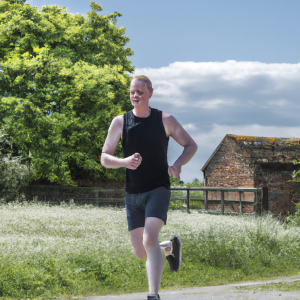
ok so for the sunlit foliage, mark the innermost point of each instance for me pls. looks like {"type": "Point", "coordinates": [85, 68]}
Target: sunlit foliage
{"type": "Point", "coordinates": [63, 78]}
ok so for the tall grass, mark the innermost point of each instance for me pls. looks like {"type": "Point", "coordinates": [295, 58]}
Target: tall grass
{"type": "Point", "coordinates": [55, 251]}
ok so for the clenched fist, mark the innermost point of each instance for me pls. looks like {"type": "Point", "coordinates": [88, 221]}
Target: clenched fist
{"type": "Point", "coordinates": [174, 171]}
{"type": "Point", "coordinates": [133, 161]}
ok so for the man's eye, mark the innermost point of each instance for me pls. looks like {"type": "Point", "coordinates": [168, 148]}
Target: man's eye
{"type": "Point", "coordinates": [140, 93]}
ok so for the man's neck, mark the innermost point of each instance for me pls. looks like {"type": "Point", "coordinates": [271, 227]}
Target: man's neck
{"type": "Point", "coordinates": [142, 113]}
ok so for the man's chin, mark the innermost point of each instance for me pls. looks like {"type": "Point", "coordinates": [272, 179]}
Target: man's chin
{"type": "Point", "coordinates": [135, 104]}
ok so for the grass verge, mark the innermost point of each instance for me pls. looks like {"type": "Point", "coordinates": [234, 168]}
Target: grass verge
{"type": "Point", "coordinates": [274, 287]}
{"type": "Point", "coordinates": [64, 251]}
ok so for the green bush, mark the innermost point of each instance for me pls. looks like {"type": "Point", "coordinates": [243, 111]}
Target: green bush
{"type": "Point", "coordinates": [293, 218]}
{"type": "Point", "coordinates": [12, 172]}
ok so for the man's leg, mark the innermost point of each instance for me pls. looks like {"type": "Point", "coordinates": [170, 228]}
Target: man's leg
{"type": "Point", "coordinates": [155, 261]}
{"type": "Point", "coordinates": [138, 247]}
{"type": "Point", "coordinates": [137, 242]}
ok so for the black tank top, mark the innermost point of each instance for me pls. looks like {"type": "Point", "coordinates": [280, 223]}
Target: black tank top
{"type": "Point", "coordinates": [146, 136]}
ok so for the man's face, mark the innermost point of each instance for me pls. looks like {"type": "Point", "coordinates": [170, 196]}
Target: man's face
{"type": "Point", "coordinates": [139, 94]}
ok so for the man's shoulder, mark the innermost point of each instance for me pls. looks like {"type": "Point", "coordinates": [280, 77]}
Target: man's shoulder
{"type": "Point", "coordinates": [118, 121]}
{"type": "Point", "coordinates": [118, 118]}
{"type": "Point", "coordinates": [167, 118]}
{"type": "Point", "coordinates": [169, 122]}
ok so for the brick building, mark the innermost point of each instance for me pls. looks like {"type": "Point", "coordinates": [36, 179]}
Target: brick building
{"type": "Point", "coordinates": [249, 161]}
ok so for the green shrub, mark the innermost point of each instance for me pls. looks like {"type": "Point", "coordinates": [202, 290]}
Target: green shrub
{"type": "Point", "coordinates": [293, 218]}
{"type": "Point", "coordinates": [12, 172]}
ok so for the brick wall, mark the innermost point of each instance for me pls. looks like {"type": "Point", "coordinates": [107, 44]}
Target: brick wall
{"type": "Point", "coordinates": [230, 167]}
{"type": "Point", "coordinates": [281, 191]}
{"type": "Point", "coordinates": [255, 162]}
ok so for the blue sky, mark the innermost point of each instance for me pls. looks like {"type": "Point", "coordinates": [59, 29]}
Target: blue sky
{"type": "Point", "coordinates": [165, 31]}
{"type": "Point", "coordinates": [218, 66]}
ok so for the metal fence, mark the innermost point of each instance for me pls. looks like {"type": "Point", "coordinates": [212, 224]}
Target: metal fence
{"type": "Point", "coordinates": [101, 196]}
{"type": "Point", "coordinates": [222, 200]}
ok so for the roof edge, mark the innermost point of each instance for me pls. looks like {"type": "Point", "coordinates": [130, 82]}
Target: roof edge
{"type": "Point", "coordinates": [292, 141]}
{"type": "Point", "coordinates": [216, 150]}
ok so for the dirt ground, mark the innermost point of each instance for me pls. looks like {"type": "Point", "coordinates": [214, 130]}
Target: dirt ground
{"type": "Point", "coordinates": [228, 292]}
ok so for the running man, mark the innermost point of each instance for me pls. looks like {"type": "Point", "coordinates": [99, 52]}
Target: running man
{"type": "Point", "coordinates": [145, 133]}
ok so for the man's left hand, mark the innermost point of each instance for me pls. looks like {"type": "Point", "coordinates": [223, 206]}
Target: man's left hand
{"type": "Point", "coordinates": [174, 171]}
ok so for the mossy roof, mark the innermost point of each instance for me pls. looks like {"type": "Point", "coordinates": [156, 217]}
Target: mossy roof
{"type": "Point", "coordinates": [254, 142]}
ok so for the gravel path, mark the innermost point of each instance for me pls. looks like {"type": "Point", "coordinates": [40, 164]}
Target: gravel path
{"type": "Point", "coordinates": [228, 292]}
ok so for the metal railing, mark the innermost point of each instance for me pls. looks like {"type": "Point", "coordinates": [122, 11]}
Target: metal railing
{"type": "Point", "coordinates": [222, 200]}
{"type": "Point", "coordinates": [97, 195]}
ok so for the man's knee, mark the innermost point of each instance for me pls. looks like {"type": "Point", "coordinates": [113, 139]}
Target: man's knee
{"type": "Point", "coordinates": [150, 241]}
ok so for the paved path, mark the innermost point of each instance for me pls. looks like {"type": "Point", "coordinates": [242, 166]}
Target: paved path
{"type": "Point", "coordinates": [228, 292]}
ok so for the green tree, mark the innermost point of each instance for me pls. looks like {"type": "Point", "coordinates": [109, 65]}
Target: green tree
{"type": "Point", "coordinates": [195, 183]}
{"type": "Point", "coordinates": [177, 182]}
{"type": "Point", "coordinates": [63, 78]}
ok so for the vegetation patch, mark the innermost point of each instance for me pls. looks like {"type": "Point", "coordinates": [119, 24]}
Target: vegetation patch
{"type": "Point", "coordinates": [273, 287]}
{"type": "Point", "coordinates": [67, 250]}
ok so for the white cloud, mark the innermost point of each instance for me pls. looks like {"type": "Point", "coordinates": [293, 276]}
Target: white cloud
{"type": "Point", "coordinates": [207, 80]}
{"type": "Point", "coordinates": [213, 137]}
{"type": "Point", "coordinates": [189, 127]}
{"type": "Point", "coordinates": [279, 102]}
{"type": "Point", "coordinates": [214, 103]}
{"type": "Point", "coordinates": [212, 99]}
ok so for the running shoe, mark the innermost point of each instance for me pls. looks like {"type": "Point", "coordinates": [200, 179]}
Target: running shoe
{"type": "Point", "coordinates": [153, 297]}
{"type": "Point", "coordinates": [175, 259]}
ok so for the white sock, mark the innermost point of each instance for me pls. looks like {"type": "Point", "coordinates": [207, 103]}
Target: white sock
{"type": "Point", "coordinates": [166, 246]}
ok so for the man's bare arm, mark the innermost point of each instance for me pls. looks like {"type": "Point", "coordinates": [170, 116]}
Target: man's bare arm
{"type": "Point", "coordinates": [177, 132]}
{"type": "Point", "coordinates": [110, 146]}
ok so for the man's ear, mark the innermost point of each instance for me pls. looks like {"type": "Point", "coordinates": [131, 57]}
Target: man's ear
{"type": "Point", "coordinates": [151, 93]}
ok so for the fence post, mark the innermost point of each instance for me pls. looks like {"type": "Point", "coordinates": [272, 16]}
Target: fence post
{"type": "Point", "coordinates": [206, 200]}
{"type": "Point", "coordinates": [97, 197]}
{"type": "Point", "coordinates": [222, 202]}
{"type": "Point", "coordinates": [240, 198]}
{"type": "Point", "coordinates": [188, 200]}
{"type": "Point", "coordinates": [265, 200]}
{"type": "Point", "coordinates": [255, 203]}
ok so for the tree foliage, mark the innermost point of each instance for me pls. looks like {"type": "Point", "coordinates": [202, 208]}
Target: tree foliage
{"type": "Point", "coordinates": [63, 78]}
{"type": "Point", "coordinates": [177, 182]}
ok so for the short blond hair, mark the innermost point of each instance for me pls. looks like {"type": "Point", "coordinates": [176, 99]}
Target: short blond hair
{"type": "Point", "coordinates": [144, 79]}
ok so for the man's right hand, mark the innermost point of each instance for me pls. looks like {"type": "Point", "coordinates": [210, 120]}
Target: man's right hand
{"type": "Point", "coordinates": [133, 161]}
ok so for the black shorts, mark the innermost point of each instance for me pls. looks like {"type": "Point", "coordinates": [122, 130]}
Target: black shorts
{"type": "Point", "coordinates": [154, 203]}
